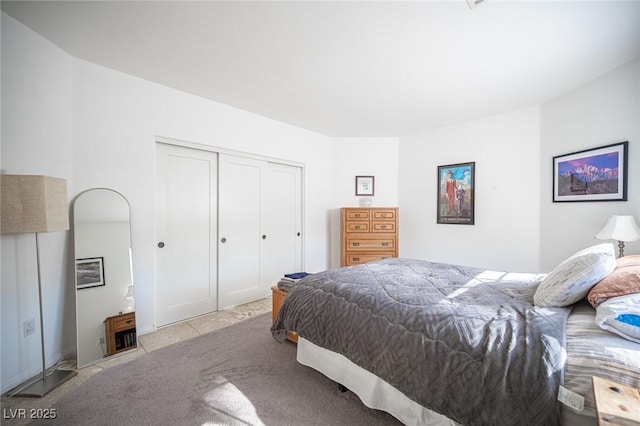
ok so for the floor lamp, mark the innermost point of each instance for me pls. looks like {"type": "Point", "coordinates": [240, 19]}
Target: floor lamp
{"type": "Point", "coordinates": [35, 204]}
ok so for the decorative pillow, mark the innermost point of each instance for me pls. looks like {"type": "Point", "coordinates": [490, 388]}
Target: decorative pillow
{"type": "Point", "coordinates": [621, 315]}
{"type": "Point", "coordinates": [625, 279]}
{"type": "Point", "coordinates": [572, 279]}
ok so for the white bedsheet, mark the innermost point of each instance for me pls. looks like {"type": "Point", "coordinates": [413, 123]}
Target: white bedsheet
{"type": "Point", "coordinates": [374, 392]}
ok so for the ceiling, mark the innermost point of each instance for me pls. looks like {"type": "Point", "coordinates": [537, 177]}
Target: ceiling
{"type": "Point", "coordinates": [351, 69]}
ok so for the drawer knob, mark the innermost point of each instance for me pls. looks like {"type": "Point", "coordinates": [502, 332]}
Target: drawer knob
{"type": "Point", "coordinates": [357, 226]}
{"type": "Point", "coordinates": [356, 244]}
{"type": "Point", "coordinates": [385, 244]}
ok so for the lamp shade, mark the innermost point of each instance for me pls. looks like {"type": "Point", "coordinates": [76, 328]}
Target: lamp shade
{"type": "Point", "coordinates": [620, 228]}
{"type": "Point", "coordinates": [33, 204]}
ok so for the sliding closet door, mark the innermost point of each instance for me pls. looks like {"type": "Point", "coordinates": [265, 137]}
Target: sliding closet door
{"type": "Point", "coordinates": [186, 252]}
{"type": "Point", "coordinates": [281, 223]}
{"type": "Point", "coordinates": [260, 227]}
{"type": "Point", "coordinates": [239, 236]}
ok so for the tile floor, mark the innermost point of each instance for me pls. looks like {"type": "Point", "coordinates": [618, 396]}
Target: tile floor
{"type": "Point", "coordinates": [146, 343]}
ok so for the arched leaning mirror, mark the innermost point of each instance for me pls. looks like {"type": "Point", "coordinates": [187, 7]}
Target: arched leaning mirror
{"type": "Point", "coordinates": [105, 314]}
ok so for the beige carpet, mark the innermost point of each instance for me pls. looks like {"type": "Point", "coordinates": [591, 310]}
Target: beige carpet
{"type": "Point", "coordinates": [235, 376]}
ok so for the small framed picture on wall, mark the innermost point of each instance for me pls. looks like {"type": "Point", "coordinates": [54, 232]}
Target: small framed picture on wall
{"type": "Point", "coordinates": [365, 186]}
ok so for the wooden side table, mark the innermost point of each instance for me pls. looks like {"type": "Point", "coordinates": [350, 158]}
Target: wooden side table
{"type": "Point", "coordinates": [278, 296]}
{"type": "Point", "coordinates": [121, 333]}
{"type": "Point", "coordinates": [616, 404]}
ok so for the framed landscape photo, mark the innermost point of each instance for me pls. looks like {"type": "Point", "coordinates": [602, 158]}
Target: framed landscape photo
{"type": "Point", "coordinates": [597, 174]}
{"type": "Point", "coordinates": [89, 272]}
{"type": "Point", "coordinates": [364, 186]}
{"type": "Point", "coordinates": [456, 193]}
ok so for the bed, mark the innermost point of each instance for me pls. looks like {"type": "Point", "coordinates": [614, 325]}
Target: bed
{"type": "Point", "coordinates": [435, 343]}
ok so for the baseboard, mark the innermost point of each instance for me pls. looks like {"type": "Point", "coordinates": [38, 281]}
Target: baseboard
{"type": "Point", "coordinates": [15, 381]}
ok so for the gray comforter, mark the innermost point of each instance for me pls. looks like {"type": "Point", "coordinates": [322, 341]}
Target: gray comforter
{"type": "Point", "coordinates": [464, 342]}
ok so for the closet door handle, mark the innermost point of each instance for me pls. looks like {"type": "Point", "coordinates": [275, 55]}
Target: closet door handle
{"type": "Point", "coordinates": [223, 240]}
{"type": "Point", "coordinates": [298, 234]}
{"type": "Point", "coordinates": [161, 244]}
{"type": "Point", "coordinates": [264, 237]}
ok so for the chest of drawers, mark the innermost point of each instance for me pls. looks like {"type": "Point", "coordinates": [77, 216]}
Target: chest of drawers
{"type": "Point", "coordinates": [368, 233]}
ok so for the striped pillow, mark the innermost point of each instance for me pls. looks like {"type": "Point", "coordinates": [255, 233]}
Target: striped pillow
{"type": "Point", "coordinates": [571, 280]}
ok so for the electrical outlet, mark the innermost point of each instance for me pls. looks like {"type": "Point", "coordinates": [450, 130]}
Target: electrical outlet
{"type": "Point", "coordinates": [28, 327]}
{"type": "Point", "coordinates": [102, 340]}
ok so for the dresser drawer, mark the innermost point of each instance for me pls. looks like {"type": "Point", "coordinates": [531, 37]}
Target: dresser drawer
{"type": "Point", "coordinates": [384, 215]}
{"type": "Point", "coordinates": [358, 215]}
{"type": "Point", "coordinates": [124, 322]}
{"type": "Point", "coordinates": [357, 227]}
{"type": "Point", "coordinates": [367, 244]}
{"type": "Point", "coordinates": [383, 226]}
{"type": "Point", "coordinates": [356, 259]}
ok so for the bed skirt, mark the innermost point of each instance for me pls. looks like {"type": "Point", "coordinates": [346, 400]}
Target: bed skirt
{"type": "Point", "coordinates": [374, 392]}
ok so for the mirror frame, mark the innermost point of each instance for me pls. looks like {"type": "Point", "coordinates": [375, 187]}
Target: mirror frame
{"type": "Point", "coordinates": [98, 283]}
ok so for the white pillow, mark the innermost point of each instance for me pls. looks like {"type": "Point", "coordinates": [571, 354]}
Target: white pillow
{"type": "Point", "coordinates": [571, 280]}
{"type": "Point", "coordinates": [621, 315]}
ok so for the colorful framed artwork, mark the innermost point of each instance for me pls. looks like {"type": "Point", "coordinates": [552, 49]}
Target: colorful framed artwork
{"type": "Point", "coordinates": [597, 174]}
{"type": "Point", "coordinates": [365, 186]}
{"type": "Point", "coordinates": [456, 193]}
{"type": "Point", "coordinates": [89, 272]}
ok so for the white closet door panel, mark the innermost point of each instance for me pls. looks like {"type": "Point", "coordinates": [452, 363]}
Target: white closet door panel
{"type": "Point", "coordinates": [187, 221]}
{"type": "Point", "coordinates": [281, 223]}
{"type": "Point", "coordinates": [239, 225]}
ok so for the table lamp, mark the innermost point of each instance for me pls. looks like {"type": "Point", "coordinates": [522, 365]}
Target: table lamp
{"type": "Point", "coordinates": [620, 228]}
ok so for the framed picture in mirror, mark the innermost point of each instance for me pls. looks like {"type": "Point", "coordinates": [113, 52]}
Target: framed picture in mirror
{"type": "Point", "coordinates": [90, 272]}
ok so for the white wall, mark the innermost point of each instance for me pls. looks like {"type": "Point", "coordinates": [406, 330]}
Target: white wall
{"type": "Point", "coordinates": [505, 235]}
{"type": "Point", "coordinates": [518, 227]}
{"type": "Point", "coordinates": [37, 138]}
{"type": "Point", "coordinates": [117, 120]}
{"type": "Point", "coordinates": [602, 112]}
{"type": "Point", "coordinates": [353, 157]}
{"type": "Point", "coordinates": [97, 128]}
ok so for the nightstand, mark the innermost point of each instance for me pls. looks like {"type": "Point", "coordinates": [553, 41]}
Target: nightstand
{"type": "Point", "coordinates": [121, 333]}
{"type": "Point", "coordinates": [278, 296]}
{"type": "Point", "coordinates": [616, 404]}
